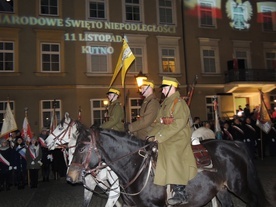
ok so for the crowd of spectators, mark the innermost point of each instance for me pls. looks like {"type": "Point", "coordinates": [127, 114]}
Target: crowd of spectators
{"type": "Point", "coordinates": [24, 162]}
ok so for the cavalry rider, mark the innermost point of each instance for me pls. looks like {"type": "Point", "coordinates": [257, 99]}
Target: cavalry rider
{"type": "Point", "coordinates": [115, 112]}
{"type": "Point", "coordinates": [148, 111]}
{"type": "Point", "coordinates": [176, 163]}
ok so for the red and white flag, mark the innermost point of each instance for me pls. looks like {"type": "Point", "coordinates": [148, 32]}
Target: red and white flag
{"type": "Point", "coordinates": [218, 131]}
{"type": "Point", "coordinates": [9, 124]}
{"type": "Point", "coordinates": [3, 160]}
{"type": "Point", "coordinates": [26, 132]}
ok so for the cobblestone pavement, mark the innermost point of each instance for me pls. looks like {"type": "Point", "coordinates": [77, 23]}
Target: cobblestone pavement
{"type": "Point", "coordinates": [58, 193]}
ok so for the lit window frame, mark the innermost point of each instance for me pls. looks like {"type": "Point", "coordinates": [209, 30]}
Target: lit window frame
{"type": "Point", "coordinates": [7, 52]}
{"type": "Point", "coordinates": [47, 113]}
{"type": "Point", "coordinates": [49, 6]}
{"type": "Point", "coordinates": [50, 53]}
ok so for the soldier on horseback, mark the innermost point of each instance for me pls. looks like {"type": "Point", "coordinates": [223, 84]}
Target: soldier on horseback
{"type": "Point", "coordinates": [176, 163]}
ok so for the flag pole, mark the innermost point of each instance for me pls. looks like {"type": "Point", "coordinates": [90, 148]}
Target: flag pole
{"type": "Point", "coordinates": [261, 96]}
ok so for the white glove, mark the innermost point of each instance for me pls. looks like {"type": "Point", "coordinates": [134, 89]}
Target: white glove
{"type": "Point", "coordinates": [32, 163]}
{"type": "Point", "coordinates": [40, 163]}
{"type": "Point", "coordinates": [50, 157]}
{"type": "Point", "coordinates": [10, 167]}
{"type": "Point", "coordinates": [15, 168]}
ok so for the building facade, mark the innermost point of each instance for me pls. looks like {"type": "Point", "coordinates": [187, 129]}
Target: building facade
{"type": "Point", "coordinates": [60, 55]}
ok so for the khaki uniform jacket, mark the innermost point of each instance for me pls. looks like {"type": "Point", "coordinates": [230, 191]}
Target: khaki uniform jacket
{"type": "Point", "coordinates": [176, 162]}
{"type": "Point", "coordinates": [148, 113]}
{"type": "Point", "coordinates": [116, 117]}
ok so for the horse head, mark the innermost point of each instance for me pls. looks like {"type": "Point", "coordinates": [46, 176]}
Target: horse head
{"type": "Point", "coordinates": [64, 135]}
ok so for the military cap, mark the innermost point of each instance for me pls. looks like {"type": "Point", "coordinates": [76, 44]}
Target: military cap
{"type": "Point", "coordinates": [169, 81]}
{"type": "Point", "coordinates": [148, 83]}
{"type": "Point", "coordinates": [113, 90]}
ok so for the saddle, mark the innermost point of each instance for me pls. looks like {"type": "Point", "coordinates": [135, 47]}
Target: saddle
{"type": "Point", "coordinates": [202, 156]}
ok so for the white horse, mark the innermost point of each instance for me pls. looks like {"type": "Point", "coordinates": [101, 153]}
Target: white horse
{"type": "Point", "coordinates": [65, 136]}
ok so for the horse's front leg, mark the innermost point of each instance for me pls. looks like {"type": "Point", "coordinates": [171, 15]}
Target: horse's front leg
{"type": "Point", "coordinates": [91, 184]}
{"type": "Point", "coordinates": [114, 192]}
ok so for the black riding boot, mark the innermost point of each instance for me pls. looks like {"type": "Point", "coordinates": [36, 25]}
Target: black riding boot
{"type": "Point", "coordinates": [180, 196]}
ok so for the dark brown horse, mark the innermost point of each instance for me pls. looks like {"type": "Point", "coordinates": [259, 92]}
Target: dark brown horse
{"type": "Point", "coordinates": [129, 158]}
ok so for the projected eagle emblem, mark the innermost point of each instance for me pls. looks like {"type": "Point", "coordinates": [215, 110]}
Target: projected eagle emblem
{"type": "Point", "coordinates": [240, 13]}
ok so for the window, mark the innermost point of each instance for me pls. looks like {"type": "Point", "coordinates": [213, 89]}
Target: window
{"type": "Point", "coordinates": [48, 107]}
{"type": "Point", "coordinates": [97, 9]}
{"type": "Point", "coordinates": [166, 12]}
{"type": "Point", "coordinates": [269, 18]}
{"type": "Point", "coordinates": [209, 56]}
{"type": "Point", "coordinates": [207, 13]}
{"type": "Point", "coordinates": [7, 6]}
{"type": "Point", "coordinates": [135, 105]}
{"type": "Point", "coordinates": [98, 109]}
{"type": "Point", "coordinates": [137, 65]}
{"type": "Point", "coordinates": [169, 55]}
{"type": "Point", "coordinates": [49, 7]}
{"type": "Point", "coordinates": [243, 54]}
{"type": "Point", "coordinates": [168, 60]}
{"type": "Point", "coordinates": [210, 112]}
{"type": "Point", "coordinates": [270, 59]}
{"type": "Point", "coordinates": [99, 60]}
{"type": "Point", "coordinates": [133, 10]}
{"type": "Point", "coordinates": [6, 56]}
{"type": "Point", "coordinates": [50, 57]}
{"type": "Point", "coordinates": [3, 106]}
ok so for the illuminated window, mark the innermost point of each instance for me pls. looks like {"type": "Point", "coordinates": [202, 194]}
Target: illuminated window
{"type": "Point", "coordinates": [97, 9]}
{"type": "Point", "coordinates": [6, 6]}
{"type": "Point", "coordinates": [49, 7]}
{"type": "Point", "coordinates": [98, 110]}
{"type": "Point", "coordinates": [209, 56]}
{"type": "Point", "coordinates": [269, 19]}
{"type": "Point", "coordinates": [7, 56]}
{"type": "Point", "coordinates": [50, 57]}
{"type": "Point", "coordinates": [207, 14]}
{"type": "Point", "coordinates": [270, 59]}
{"type": "Point", "coordinates": [133, 10]}
{"type": "Point", "coordinates": [3, 106]}
{"type": "Point", "coordinates": [166, 12]}
{"type": "Point", "coordinates": [168, 60]}
{"type": "Point", "coordinates": [47, 108]}
{"type": "Point", "coordinates": [135, 106]}
{"type": "Point", "coordinates": [169, 54]}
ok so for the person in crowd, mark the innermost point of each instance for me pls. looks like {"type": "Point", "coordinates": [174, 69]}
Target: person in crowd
{"type": "Point", "coordinates": [115, 112]}
{"type": "Point", "coordinates": [240, 111]}
{"type": "Point", "coordinates": [59, 163]}
{"type": "Point", "coordinates": [237, 130]}
{"type": "Point", "coordinates": [176, 163]}
{"type": "Point", "coordinates": [46, 154]}
{"type": "Point", "coordinates": [6, 164]}
{"type": "Point", "coordinates": [196, 123]}
{"type": "Point", "coordinates": [20, 163]}
{"type": "Point", "coordinates": [33, 157]}
{"type": "Point", "coordinates": [148, 112]}
{"type": "Point", "coordinates": [226, 131]}
{"type": "Point", "coordinates": [250, 136]}
{"type": "Point", "coordinates": [246, 111]}
{"type": "Point", "coordinates": [271, 140]}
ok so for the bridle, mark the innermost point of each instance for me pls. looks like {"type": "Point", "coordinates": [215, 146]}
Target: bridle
{"type": "Point", "coordinates": [94, 171]}
{"type": "Point", "coordinates": [59, 137]}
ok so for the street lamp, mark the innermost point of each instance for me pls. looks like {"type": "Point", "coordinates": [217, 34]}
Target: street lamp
{"type": "Point", "coordinates": [140, 77]}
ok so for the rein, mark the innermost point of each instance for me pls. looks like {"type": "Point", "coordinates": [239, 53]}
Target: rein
{"type": "Point", "coordinates": [94, 171]}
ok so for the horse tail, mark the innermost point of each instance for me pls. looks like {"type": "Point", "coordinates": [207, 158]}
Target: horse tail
{"type": "Point", "coordinates": [253, 181]}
